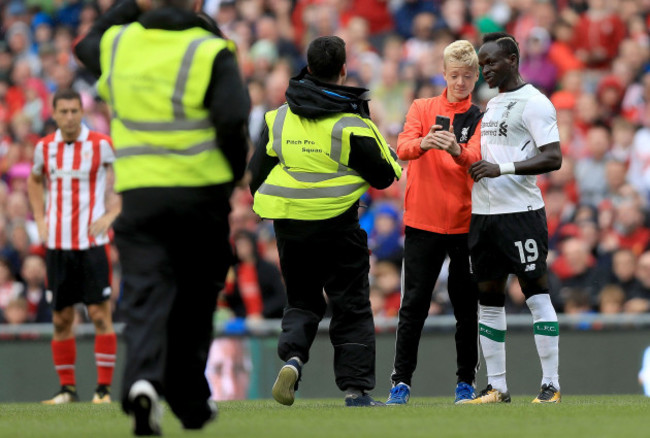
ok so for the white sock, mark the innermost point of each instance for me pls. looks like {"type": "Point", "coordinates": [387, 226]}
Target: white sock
{"type": "Point", "coordinates": [492, 328]}
{"type": "Point", "coordinates": [547, 337]}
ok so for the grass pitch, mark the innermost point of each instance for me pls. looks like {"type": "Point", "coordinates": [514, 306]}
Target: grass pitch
{"type": "Point", "coordinates": [620, 416]}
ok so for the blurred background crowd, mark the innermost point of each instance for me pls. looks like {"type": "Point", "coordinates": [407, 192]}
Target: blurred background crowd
{"type": "Point", "coordinates": [591, 57]}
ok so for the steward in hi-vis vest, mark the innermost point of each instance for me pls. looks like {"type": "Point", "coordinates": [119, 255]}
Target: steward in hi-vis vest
{"type": "Point", "coordinates": [317, 155]}
{"type": "Point", "coordinates": [161, 142]}
{"type": "Point", "coordinates": [313, 178]}
{"type": "Point", "coordinates": [179, 114]}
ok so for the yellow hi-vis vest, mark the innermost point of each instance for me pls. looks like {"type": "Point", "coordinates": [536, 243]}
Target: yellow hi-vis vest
{"type": "Point", "coordinates": [312, 180]}
{"type": "Point", "coordinates": [155, 81]}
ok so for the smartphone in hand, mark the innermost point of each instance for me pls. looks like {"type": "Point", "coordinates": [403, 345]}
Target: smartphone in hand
{"type": "Point", "coordinates": [443, 121]}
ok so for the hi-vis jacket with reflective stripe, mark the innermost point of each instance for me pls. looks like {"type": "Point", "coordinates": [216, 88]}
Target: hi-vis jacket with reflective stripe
{"type": "Point", "coordinates": [312, 180]}
{"type": "Point", "coordinates": [155, 81]}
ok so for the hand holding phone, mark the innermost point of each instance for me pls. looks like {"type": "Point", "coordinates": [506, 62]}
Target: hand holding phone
{"type": "Point", "coordinates": [443, 121]}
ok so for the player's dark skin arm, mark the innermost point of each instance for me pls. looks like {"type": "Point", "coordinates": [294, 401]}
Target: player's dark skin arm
{"type": "Point", "coordinates": [548, 160]}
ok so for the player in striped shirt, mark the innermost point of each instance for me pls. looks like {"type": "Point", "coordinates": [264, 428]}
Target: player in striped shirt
{"type": "Point", "coordinates": [72, 165]}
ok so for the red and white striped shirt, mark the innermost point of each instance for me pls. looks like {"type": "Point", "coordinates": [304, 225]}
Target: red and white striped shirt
{"type": "Point", "coordinates": [76, 183]}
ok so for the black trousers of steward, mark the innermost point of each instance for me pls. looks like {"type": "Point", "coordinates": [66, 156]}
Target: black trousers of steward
{"type": "Point", "coordinates": [337, 263]}
{"type": "Point", "coordinates": [174, 253]}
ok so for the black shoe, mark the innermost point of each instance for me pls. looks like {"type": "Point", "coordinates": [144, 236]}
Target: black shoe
{"type": "Point", "coordinates": [359, 401]}
{"type": "Point", "coordinates": [145, 409]}
{"type": "Point", "coordinates": [211, 412]}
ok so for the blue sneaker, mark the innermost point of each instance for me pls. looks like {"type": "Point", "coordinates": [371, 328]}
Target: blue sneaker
{"type": "Point", "coordinates": [399, 394]}
{"type": "Point", "coordinates": [464, 393]}
{"type": "Point", "coordinates": [361, 401]}
{"type": "Point", "coordinates": [286, 383]}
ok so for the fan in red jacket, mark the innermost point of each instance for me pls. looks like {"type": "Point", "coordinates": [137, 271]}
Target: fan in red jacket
{"type": "Point", "coordinates": [438, 210]}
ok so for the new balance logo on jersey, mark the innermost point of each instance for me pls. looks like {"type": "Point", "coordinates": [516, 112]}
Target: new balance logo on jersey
{"type": "Point", "coordinates": [530, 267]}
{"type": "Point", "coordinates": [503, 129]}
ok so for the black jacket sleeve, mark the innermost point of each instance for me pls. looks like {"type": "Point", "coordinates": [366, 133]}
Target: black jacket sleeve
{"type": "Point", "coordinates": [87, 50]}
{"type": "Point", "coordinates": [366, 158]}
{"type": "Point", "coordinates": [229, 104]}
{"type": "Point", "coordinates": [261, 163]}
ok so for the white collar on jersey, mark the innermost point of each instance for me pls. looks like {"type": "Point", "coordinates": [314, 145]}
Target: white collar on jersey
{"type": "Point", "coordinates": [83, 135]}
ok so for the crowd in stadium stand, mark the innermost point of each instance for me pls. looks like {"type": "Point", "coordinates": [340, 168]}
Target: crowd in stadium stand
{"type": "Point", "coordinates": [591, 57]}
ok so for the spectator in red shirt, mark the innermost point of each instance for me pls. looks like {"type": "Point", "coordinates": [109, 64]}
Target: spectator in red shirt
{"type": "Point", "coordinates": [562, 53]}
{"type": "Point", "coordinates": [576, 268]}
{"type": "Point", "coordinates": [628, 228]}
{"type": "Point", "coordinates": [33, 274]}
{"type": "Point", "coordinates": [254, 290]}
{"type": "Point", "coordinates": [374, 11]}
{"type": "Point", "coordinates": [597, 35]}
{"type": "Point", "coordinates": [610, 95]}
{"type": "Point", "coordinates": [386, 288]}
{"type": "Point", "coordinates": [557, 206]}
{"type": "Point", "coordinates": [9, 288]}
{"type": "Point", "coordinates": [21, 79]}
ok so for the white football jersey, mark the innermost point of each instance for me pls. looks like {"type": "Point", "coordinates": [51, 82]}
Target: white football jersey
{"type": "Point", "coordinates": [516, 123]}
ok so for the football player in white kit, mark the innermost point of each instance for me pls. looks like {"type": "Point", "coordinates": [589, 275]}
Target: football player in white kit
{"type": "Point", "coordinates": [508, 231]}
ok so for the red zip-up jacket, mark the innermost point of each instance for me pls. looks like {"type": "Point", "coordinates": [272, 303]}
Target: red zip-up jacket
{"type": "Point", "coordinates": [438, 188]}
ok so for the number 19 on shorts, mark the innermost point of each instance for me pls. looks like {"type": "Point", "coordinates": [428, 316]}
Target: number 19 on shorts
{"type": "Point", "coordinates": [528, 253]}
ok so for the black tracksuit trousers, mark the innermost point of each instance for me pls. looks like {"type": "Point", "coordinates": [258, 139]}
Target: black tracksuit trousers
{"type": "Point", "coordinates": [424, 254]}
{"type": "Point", "coordinates": [174, 253]}
{"type": "Point", "coordinates": [337, 263]}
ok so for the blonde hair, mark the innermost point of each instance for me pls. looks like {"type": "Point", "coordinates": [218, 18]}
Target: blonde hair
{"type": "Point", "coordinates": [461, 52]}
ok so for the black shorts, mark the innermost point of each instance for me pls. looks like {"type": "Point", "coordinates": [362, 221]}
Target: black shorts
{"type": "Point", "coordinates": [514, 243]}
{"type": "Point", "coordinates": [78, 276]}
